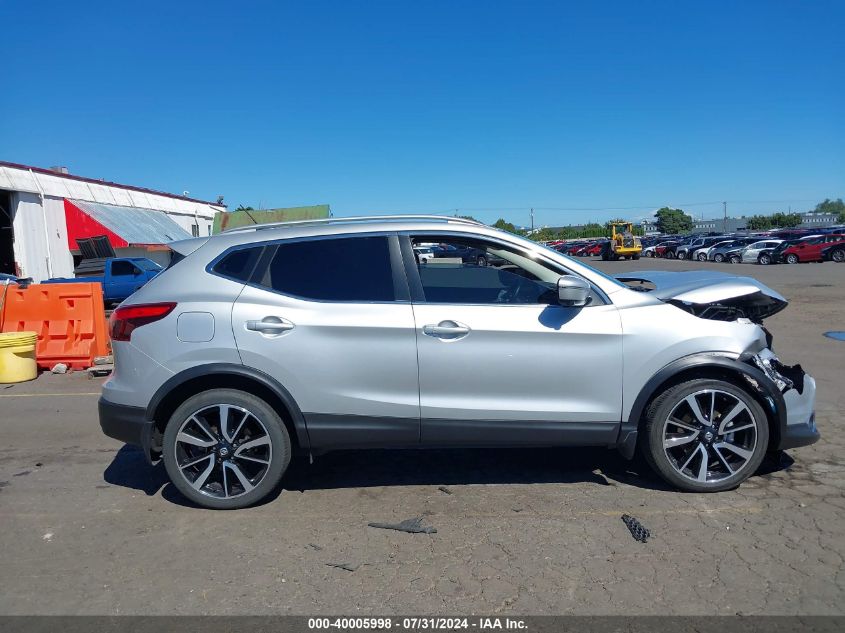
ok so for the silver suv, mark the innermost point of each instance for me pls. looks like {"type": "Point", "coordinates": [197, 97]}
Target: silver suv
{"type": "Point", "coordinates": [337, 334]}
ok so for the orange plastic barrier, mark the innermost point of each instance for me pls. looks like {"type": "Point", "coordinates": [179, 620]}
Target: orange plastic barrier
{"type": "Point", "coordinates": [70, 320]}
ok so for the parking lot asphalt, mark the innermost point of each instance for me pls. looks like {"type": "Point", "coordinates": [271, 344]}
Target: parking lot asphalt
{"type": "Point", "coordinates": [87, 527]}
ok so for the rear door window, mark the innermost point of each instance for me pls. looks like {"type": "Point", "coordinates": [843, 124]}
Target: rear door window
{"type": "Point", "coordinates": [355, 269]}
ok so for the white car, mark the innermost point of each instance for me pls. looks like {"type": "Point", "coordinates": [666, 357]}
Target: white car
{"type": "Point", "coordinates": [703, 254]}
{"type": "Point", "coordinates": [424, 253]}
{"type": "Point", "coordinates": [222, 370]}
{"type": "Point", "coordinates": [751, 252]}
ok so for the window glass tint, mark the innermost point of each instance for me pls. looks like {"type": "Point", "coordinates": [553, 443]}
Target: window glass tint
{"type": "Point", "coordinates": [478, 272]}
{"type": "Point", "coordinates": [238, 264]}
{"type": "Point", "coordinates": [120, 268]}
{"type": "Point", "coordinates": [338, 269]}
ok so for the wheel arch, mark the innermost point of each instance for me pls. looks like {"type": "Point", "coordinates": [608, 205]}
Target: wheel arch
{"type": "Point", "coordinates": [201, 378]}
{"type": "Point", "coordinates": [705, 366]}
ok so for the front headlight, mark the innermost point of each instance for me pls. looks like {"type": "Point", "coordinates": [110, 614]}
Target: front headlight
{"type": "Point", "coordinates": [768, 363]}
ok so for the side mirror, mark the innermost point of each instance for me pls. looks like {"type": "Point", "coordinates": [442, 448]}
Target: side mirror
{"type": "Point", "coordinates": [572, 291]}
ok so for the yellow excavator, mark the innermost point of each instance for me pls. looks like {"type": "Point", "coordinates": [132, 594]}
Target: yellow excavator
{"type": "Point", "coordinates": [623, 243]}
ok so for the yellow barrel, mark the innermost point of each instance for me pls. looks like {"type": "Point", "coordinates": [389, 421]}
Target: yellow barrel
{"type": "Point", "coordinates": [17, 356]}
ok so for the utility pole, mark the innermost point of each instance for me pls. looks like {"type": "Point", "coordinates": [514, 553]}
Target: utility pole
{"type": "Point", "coordinates": [532, 219]}
{"type": "Point", "coordinates": [725, 225]}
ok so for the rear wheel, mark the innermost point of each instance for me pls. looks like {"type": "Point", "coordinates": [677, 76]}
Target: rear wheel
{"type": "Point", "coordinates": [481, 261]}
{"type": "Point", "coordinates": [225, 449]}
{"type": "Point", "coordinates": [764, 259]}
{"type": "Point", "coordinates": [736, 259]}
{"type": "Point", "coordinates": [681, 254]}
{"type": "Point", "coordinates": [649, 253]}
{"type": "Point", "coordinates": [705, 435]}
{"type": "Point", "coordinates": [635, 256]}
{"type": "Point", "coordinates": [718, 257]}
{"type": "Point", "coordinates": [792, 258]}
{"type": "Point", "coordinates": [838, 255]}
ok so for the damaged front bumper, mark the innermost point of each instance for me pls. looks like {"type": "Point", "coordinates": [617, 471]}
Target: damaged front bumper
{"type": "Point", "coordinates": [798, 392]}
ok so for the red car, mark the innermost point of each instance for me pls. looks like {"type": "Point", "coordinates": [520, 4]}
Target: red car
{"type": "Point", "coordinates": [593, 249]}
{"type": "Point", "coordinates": [811, 250]}
{"type": "Point", "coordinates": [660, 249]}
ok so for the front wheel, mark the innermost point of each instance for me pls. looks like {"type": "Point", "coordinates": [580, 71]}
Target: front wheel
{"type": "Point", "coordinates": [705, 435]}
{"type": "Point", "coordinates": [735, 259]}
{"type": "Point", "coordinates": [225, 449]}
{"type": "Point", "coordinates": [765, 259]}
{"type": "Point", "coordinates": [838, 255]}
{"type": "Point", "coordinates": [649, 253]}
{"type": "Point", "coordinates": [681, 255]}
{"type": "Point", "coordinates": [718, 258]}
{"type": "Point", "coordinates": [702, 257]}
{"type": "Point", "coordinates": [792, 258]}
{"type": "Point", "coordinates": [481, 261]}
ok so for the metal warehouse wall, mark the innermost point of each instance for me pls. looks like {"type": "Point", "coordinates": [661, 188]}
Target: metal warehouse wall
{"type": "Point", "coordinates": [41, 254]}
{"type": "Point", "coordinates": [41, 248]}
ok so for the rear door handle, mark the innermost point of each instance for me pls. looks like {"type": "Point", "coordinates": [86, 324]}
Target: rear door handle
{"type": "Point", "coordinates": [270, 325]}
{"type": "Point", "coordinates": [446, 330]}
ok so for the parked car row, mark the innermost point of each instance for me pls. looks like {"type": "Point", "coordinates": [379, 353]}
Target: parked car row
{"type": "Point", "coordinates": [778, 247]}
{"type": "Point", "coordinates": [755, 249]}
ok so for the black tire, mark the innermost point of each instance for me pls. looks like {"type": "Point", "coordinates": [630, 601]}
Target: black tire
{"type": "Point", "coordinates": [764, 259]}
{"type": "Point", "coordinates": [792, 258]}
{"type": "Point", "coordinates": [735, 259]}
{"type": "Point", "coordinates": [651, 442]}
{"type": "Point", "coordinates": [649, 253]}
{"type": "Point", "coordinates": [681, 255]}
{"type": "Point", "coordinates": [635, 256]}
{"type": "Point", "coordinates": [718, 258]}
{"type": "Point", "coordinates": [481, 260]}
{"type": "Point", "coordinates": [279, 442]}
{"type": "Point", "coordinates": [669, 255]}
{"type": "Point", "coordinates": [702, 257]}
{"type": "Point", "coordinates": [838, 255]}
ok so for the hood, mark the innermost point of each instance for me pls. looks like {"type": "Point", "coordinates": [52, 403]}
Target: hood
{"type": "Point", "coordinates": [709, 294]}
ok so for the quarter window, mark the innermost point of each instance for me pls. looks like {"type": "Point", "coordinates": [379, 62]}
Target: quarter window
{"type": "Point", "coordinates": [239, 264]}
{"type": "Point", "coordinates": [336, 269]}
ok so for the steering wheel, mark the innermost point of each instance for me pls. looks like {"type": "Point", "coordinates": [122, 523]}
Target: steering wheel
{"type": "Point", "coordinates": [512, 292]}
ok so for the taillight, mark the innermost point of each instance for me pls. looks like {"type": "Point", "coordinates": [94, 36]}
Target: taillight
{"type": "Point", "coordinates": [124, 320]}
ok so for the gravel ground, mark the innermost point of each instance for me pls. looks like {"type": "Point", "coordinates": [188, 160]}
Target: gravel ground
{"type": "Point", "coordinates": [89, 528]}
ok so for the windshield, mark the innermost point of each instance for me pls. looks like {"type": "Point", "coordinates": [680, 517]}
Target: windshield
{"type": "Point", "coordinates": [616, 282]}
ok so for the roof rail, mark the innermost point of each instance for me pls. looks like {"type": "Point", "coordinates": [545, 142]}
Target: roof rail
{"type": "Point", "coordinates": [354, 220]}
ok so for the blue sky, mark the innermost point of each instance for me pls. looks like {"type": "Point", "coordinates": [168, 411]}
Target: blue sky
{"type": "Point", "coordinates": [580, 109]}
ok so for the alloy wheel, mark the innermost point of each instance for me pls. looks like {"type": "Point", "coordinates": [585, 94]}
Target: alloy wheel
{"type": "Point", "coordinates": [223, 451]}
{"type": "Point", "coordinates": [709, 436]}
{"type": "Point", "coordinates": [792, 258]}
{"type": "Point", "coordinates": [838, 255]}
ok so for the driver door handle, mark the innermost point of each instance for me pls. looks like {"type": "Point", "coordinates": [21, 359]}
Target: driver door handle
{"type": "Point", "coordinates": [446, 330]}
{"type": "Point", "coordinates": [270, 325]}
